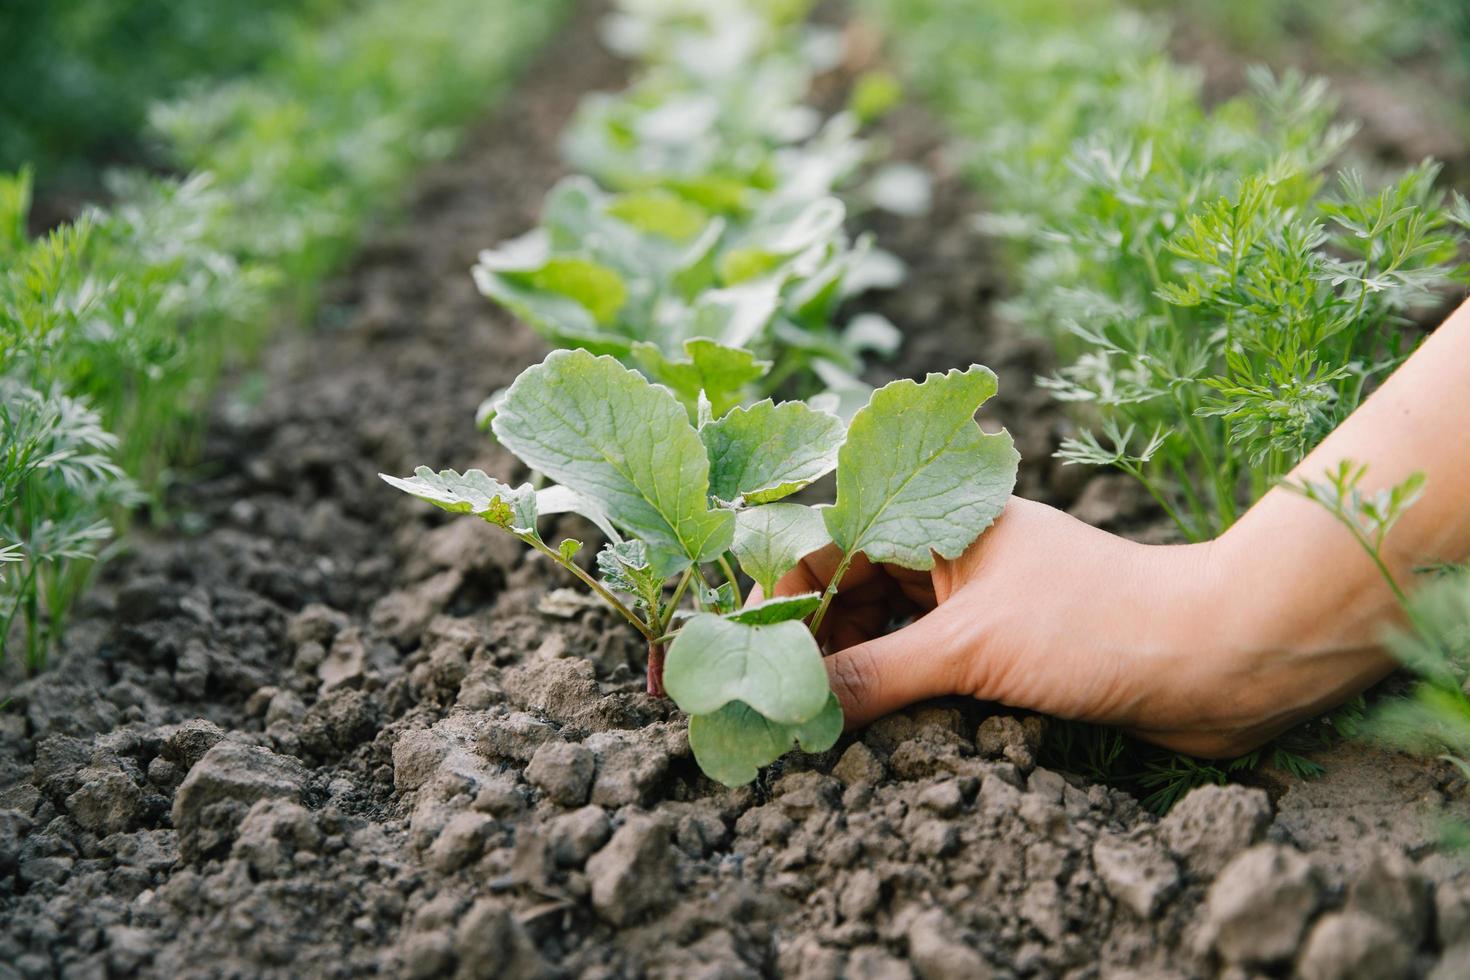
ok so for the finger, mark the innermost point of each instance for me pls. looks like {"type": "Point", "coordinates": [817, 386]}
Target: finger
{"type": "Point", "coordinates": [851, 626]}
{"type": "Point", "coordinates": [920, 661]}
{"type": "Point", "coordinates": [815, 571]}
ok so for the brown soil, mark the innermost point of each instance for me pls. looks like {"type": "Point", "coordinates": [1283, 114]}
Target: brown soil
{"type": "Point", "coordinates": [308, 729]}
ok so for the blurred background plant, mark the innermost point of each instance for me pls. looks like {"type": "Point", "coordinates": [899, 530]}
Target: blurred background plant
{"type": "Point", "coordinates": [288, 128]}
{"type": "Point", "coordinates": [78, 77]}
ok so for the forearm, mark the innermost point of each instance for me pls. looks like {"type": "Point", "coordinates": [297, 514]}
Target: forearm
{"type": "Point", "coordinates": [1312, 604]}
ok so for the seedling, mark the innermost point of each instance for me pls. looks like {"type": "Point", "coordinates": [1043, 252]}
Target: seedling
{"type": "Point", "coordinates": [1435, 718]}
{"type": "Point", "coordinates": [680, 501]}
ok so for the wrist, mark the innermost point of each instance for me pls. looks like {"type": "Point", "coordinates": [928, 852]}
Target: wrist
{"type": "Point", "coordinates": [1300, 616]}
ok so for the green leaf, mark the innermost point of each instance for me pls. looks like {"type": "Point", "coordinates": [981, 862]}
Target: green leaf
{"type": "Point", "coordinates": [569, 299]}
{"type": "Point", "coordinates": [873, 94]}
{"type": "Point", "coordinates": [626, 567]}
{"type": "Point", "coordinates": [659, 212]}
{"type": "Point", "coordinates": [624, 444]}
{"type": "Point", "coordinates": [737, 315]}
{"type": "Point", "coordinates": [917, 475]}
{"type": "Point", "coordinates": [557, 499]}
{"type": "Point", "coordinates": [788, 230]}
{"type": "Point", "coordinates": [778, 610]}
{"type": "Point", "coordinates": [720, 372]}
{"type": "Point", "coordinates": [770, 540]}
{"type": "Point", "coordinates": [777, 670]}
{"type": "Point", "coordinates": [768, 451]}
{"type": "Point", "coordinates": [732, 744]}
{"type": "Point", "coordinates": [472, 492]}
{"type": "Point", "coordinates": [568, 548]}
{"type": "Point", "coordinates": [592, 284]}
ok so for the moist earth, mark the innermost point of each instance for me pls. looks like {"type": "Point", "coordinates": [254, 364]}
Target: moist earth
{"type": "Point", "coordinates": [308, 728]}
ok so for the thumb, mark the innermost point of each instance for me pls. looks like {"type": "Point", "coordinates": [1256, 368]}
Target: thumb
{"type": "Point", "coordinates": [925, 659]}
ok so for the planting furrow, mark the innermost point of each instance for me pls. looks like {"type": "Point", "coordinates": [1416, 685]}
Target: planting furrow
{"type": "Point", "coordinates": [310, 728]}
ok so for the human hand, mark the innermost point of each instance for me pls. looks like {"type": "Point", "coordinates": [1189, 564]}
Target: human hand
{"type": "Point", "coordinates": [1047, 613]}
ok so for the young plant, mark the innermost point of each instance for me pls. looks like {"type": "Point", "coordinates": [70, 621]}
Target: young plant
{"type": "Point", "coordinates": [676, 499]}
{"type": "Point", "coordinates": [1435, 718]}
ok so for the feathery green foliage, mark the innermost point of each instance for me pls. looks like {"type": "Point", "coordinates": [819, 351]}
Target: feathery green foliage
{"type": "Point", "coordinates": [1219, 295]}
{"type": "Point", "coordinates": [113, 328]}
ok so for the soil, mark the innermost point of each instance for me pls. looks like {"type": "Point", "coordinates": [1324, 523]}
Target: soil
{"type": "Point", "coordinates": [307, 728]}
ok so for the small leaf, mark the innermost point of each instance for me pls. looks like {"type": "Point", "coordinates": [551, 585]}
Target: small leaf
{"type": "Point", "coordinates": [472, 492]}
{"type": "Point", "coordinates": [721, 373]}
{"type": "Point", "coordinates": [625, 567]}
{"type": "Point", "coordinates": [624, 444]}
{"type": "Point", "coordinates": [786, 231]}
{"type": "Point", "coordinates": [732, 744]}
{"type": "Point", "coordinates": [771, 540]}
{"type": "Point", "coordinates": [560, 319]}
{"type": "Point", "coordinates": [659, 212]}
{"type": "Point", "coordinates": [873, 94]}
{"type": "Point", "coordinates": [917, 475]}
{"type": "Point", "coordinates": [568, 548]}
{"type": "Point", "coordinates": [778, 610]}
{"type": "Point", "coordinates": [770, 451]}
{"type": "Point", "coordinates": [736, 315]}
{"type": "Point", "coordinates": [776, 669]}
{"type": "Point", "coordinates": [720, 599]}
{"type": "Point", "coordinates": [596, 287]}
{"type": "Point", "coordinates": [871, 332]}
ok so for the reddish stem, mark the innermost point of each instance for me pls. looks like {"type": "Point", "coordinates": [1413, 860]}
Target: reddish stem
{"type": "Point", "coordinates": [656, 670]}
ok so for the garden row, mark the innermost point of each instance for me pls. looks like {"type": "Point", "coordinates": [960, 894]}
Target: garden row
{"type": "Point", "coordinates": [693, 272]}
{"type": "Point", "coordinates": [112, 328]}
{"type": "Point", "coordinates": [1221, 290]}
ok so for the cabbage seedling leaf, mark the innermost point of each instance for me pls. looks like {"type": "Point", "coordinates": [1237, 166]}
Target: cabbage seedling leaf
{"type": "Point", "coordinates": [720, 372]}
{"type": "Point", "coordinates": [731, 744]}
{"type": "Point", "coordinates": [473, 492]}
{"type": "Point", "coordinates": [626, 445]}
{"type": "Point", "coordinates": [776, 670]}
{"type": "Point", "coordinates": [770, 540]}
{"type": "Point", "coordinates": [778, 610]}
{"type": "Point", "coordinates": [769, 451]}
{"type": "Point", "coordinates": [917, 475]}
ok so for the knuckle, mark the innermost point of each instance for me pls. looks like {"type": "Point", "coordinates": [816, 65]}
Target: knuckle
{"type": "Point", "coordinates": [854, 676]}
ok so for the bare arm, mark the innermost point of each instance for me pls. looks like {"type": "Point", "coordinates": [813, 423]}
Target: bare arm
{"type": "Point", "coordinates": [1208, 648]}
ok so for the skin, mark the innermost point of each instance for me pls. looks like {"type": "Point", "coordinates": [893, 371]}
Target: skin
{"type": "Point", "coordinates": [1209, 649]}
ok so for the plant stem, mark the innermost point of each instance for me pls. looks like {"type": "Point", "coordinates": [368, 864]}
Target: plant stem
{"type": "Point", "coordinates": [592, 583]}
{"type": "Point", "coordinates": [733, 579]}
{"type": "Point", "coordinates": [831, 592]}
{"type": "Point", "coordinates": [673, 606]}
{"type": "Point", "coordinates": [656, 669]}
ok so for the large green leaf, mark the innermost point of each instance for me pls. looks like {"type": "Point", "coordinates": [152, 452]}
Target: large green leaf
{"type": "Point", "coordinates": [768, 451]}
{"type": "Point", "coordinates": [731, 744]}
{"type": "Point", "coordinates": [771, 539]}
{"type": "Point", "coordinates": [917, 475]}
{"type": "Point", "coordinates": [473, 492]}
{"type": "Point", "coordinates": [624, 444]}
{"type": "Point", "coordinates": [776, 669]}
